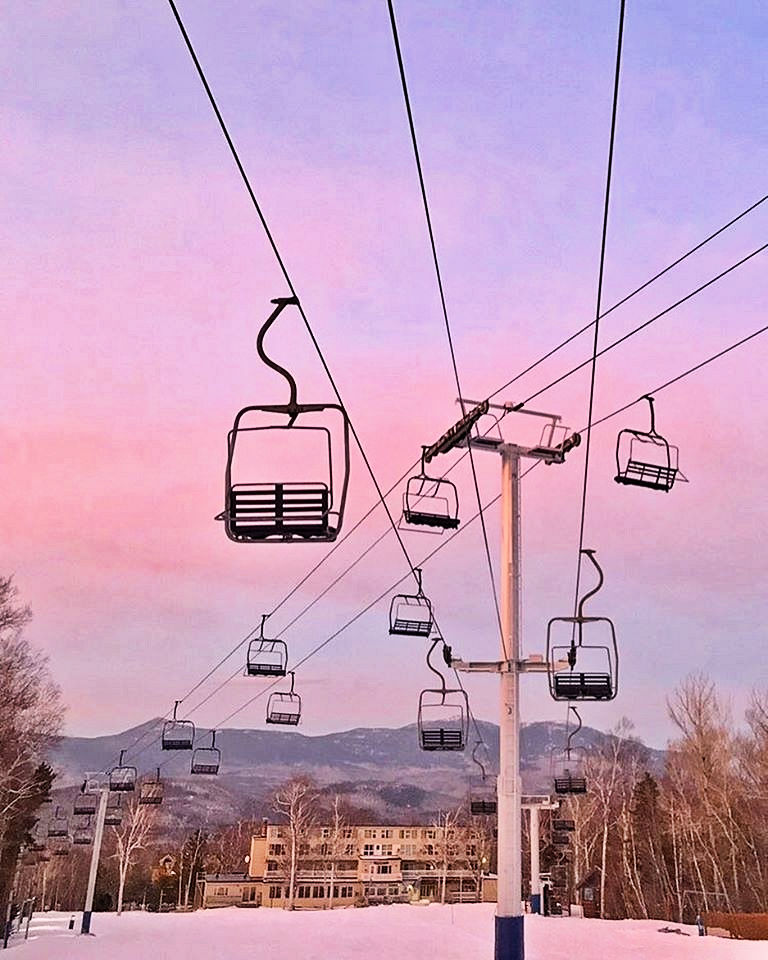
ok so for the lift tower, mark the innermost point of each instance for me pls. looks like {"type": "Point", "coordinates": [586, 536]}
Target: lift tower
{"type": "Point", "coordinates": [554, 444]}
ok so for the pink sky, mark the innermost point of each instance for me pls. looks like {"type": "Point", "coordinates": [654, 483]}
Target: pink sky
{"type": "Point", "coordinates": [135, 277]}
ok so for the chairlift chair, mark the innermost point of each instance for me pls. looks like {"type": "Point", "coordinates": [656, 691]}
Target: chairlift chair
{"type": "Point", "coordinates": [443, 717]}
{"type": "Point", "coordinates": [601, 678]}
{"type": "Point", "coordinates": [151, 791]}
{"type": "Point", "coordinates": [113, 816]}
{"type": "Point", "coordinates": [122, 778]}
{"type": "Point", "coordinates": [61, 850]}
{"type": "Point", "coordinates": [82, 833]}
{"type": "Point", "coordinates": [561, 839]}
{"type": "Point", "coordinates": [84, 804]}
{"type": "Point", "coordinates": [178, 734]}
{"type": "Point", "coordinates": [271, 511]}
{"type": "Point", "coordinates": [646, 459]}
{"type": "Point", "coordinates": [266, 658]}
{"type": "Point", "coordinates": [410, 615]}
{"type": "Point", "coordinates": [284, 708]}
{"type": "Point", "coordinates": [206, 760]}
{"type": "Point", "coordinates": [569, 778]}
{"type": "Point", "coordinates": [431, 501]}
{"type": "Point", "coordinates": [564, 826]}
{"type": "Point", "coordinates": [482, 790]}
{"type": "Point", "coordinates": [58, 825]}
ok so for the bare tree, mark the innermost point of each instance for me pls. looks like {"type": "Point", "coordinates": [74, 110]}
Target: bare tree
{"type": "Point", "coordinates": [297, 802]}
{"type": "Point", "coordinates": [130, 837]}
{"type": "Point", "coordinates": [30, 720]}
{"type": "Point", "coordinates": [443, 850]}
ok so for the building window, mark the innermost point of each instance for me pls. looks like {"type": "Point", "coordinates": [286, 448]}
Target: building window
{"type": "Point", "coordinates": [349, 850]}
{"type": "Point", "coordinates": [386, 834]}
{"type": "Point", "coordinates": [429, 849]}
{"type": "Point", "coordinates": [383, 868]}
{"type": "Point", "coordinates": [318, 892]}
{"type": "Point", "coordinates": [272, 866]}
{"type": "Point", "coordinates": [386, 849]}
{"type": "Point", "coordinates": [347, 833]}
{"type": "Point", "coordinates": [222, 891]}
{"type": "Point", "coordinates": [343, 893]}
{"type": "Point", "coordinates": [276, 849]}
{"type": "Point", "coordinates": [304, 891]}
{"type": "Point", "coordinates": [428, 834]}
{"type": "Point", "coordinates": [367, 849]}
{"type": "Point", "coordinates": [325, 832]}
{"type": "Point", "coordinates": [369, 834]}
{"type": "Point", "coordinates": [275, 893]}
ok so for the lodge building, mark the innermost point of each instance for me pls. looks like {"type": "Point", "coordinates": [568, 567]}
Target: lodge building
{"type": "Point", "coordinates": [357, 866]}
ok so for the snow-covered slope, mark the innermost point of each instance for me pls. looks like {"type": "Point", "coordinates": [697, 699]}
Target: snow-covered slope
{"type": "Point", "coordinates": [376, 933]}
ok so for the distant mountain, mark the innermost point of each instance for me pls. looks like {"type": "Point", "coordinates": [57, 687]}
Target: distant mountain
{"type": "Point", "coordinates": [379, 769]}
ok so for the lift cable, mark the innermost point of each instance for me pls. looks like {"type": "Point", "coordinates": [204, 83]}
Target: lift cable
{"type": "Point", "coordinates": [443, 303]}
{"type": "Point", "coordinates": [619, 303]}
{"type": "Point", "coordinates": [629, 296]}
{"type": "Point", "coordinates": [286, 275]}
{"type": "Point", "coordinates": [569, 373]}
{"type": "Point", "coordinates": [509, 383]}
{"type": "Point", "coordinates": [599, 303]}
{"type": "Point", "coordinates": [647, 323]}
{"type": "Point", "coordinates": [555, 382]}
{"type": "Point", "coordinates": [686, 373]}
{"type": "Point", "coordinates": [444, 542]}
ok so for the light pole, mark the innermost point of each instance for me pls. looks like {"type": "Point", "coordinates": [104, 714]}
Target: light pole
{"type": "Point", "coordinates": [552, 448]}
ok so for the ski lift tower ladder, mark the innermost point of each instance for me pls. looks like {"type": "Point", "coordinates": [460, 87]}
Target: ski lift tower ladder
{"type": "Point", "coordinates": [555, 443]}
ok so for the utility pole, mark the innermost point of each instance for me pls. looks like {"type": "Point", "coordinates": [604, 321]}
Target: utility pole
{"type": "Point", "coordinates": [98, 834]}
{"type": "Point", "coordinates": [552, 448]}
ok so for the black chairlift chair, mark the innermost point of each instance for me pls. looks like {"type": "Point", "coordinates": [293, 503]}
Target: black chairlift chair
{"type": "Point", "coordinates": [82, 834]}
{"type": "Point", "coordinates": [58, 825]}
{"type": "Point", "coordinates": [482, 790]}
{"type": "Point", "coordinates": [266, 658]}
{"type": "Point", "coordinates": [410, 615]}
{"type": "Point", "coordinates": [206, 760]}
{"type": "Point", "coordinates": [122, 778]}
{"type": "Point", "coordinates": [113, 817]}
{"type": "Point", "coordinates": [564, 826]}
{"type": "Point", "coordinates": [271, 511]}
{"type": "Point", "coordinates": [443, 717]}
{"type": "Point", "coordinates": [430, 501]}
{"type": "Point", "coordinates": [284, 708]}
{"type": "Point", "coordinates": [646, 459]}
{"type": "Point", "coordinates": [569, 778]}
{"type": "Point", "coordinates": [178, 734]}
{"type": "Point", "coordinates": [151, 791]}
{"type": "Point", "coordinates": [84, 804]}
{"type": "Point", "coordinates": [600, 681]}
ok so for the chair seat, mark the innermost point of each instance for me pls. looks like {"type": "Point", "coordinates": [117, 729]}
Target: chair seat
{"type": "Point", "coordinates": [431, 519]}
{"type": "Point", "coordinates": [583, 686]}
{"type": "Point", "coordinates": [266, 670]}
{"type": "Point", "coordinates": [652, 475]}
{"type": "Point", "coordinates": [482, 807]}
{"type": "Point", "coordinates": [411, 628]}
{"type": "Point", "coordinates": [290, 719]}
{"type": "Point", "coordinates": [564, 785]}
{"type": "Point", "coordinates": [442, 739]}
{"type": "Point", "coordinates": [260, 511]}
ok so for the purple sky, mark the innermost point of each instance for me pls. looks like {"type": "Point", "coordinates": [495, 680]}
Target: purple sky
{"type": "Point", "coordinates": [135, 276]}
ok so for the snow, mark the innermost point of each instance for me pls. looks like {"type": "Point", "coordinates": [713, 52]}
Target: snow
{"type": "Point", "coordinates": [461, 932]}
